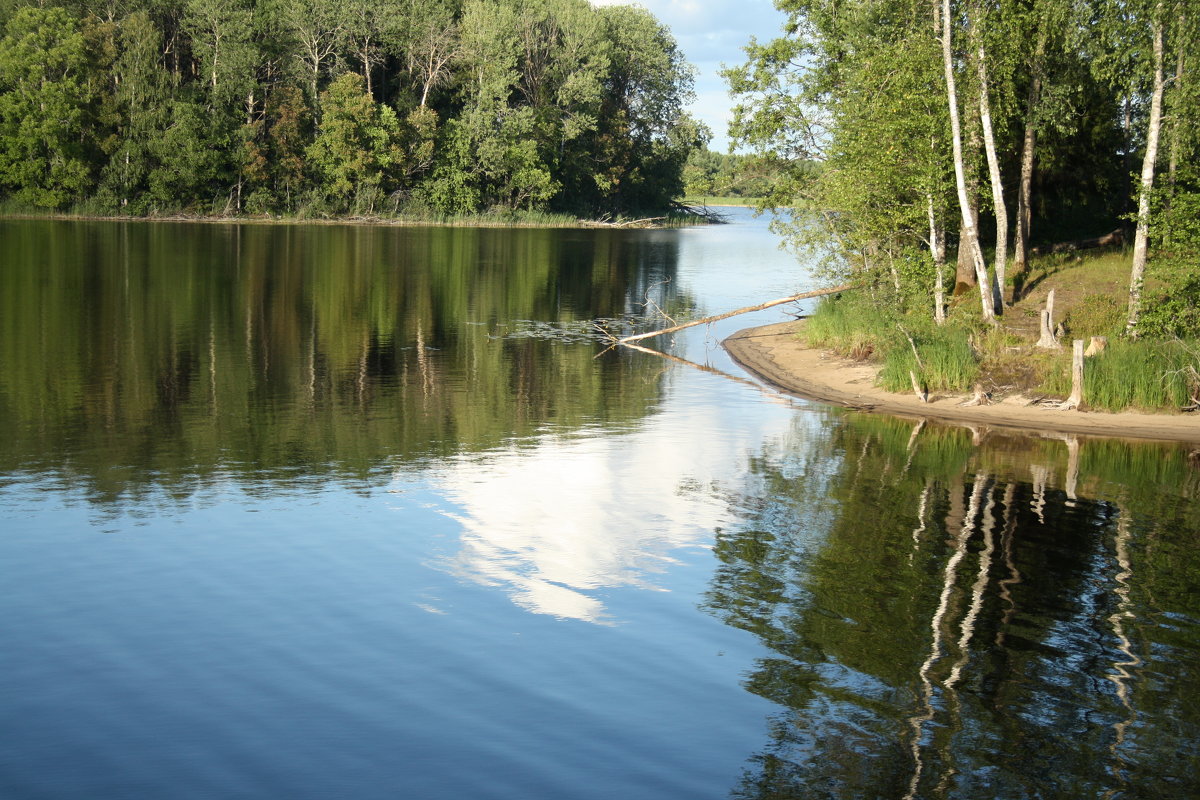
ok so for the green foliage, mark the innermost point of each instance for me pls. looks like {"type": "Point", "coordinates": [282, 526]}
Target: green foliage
{"type": "Point", "coordinates": [1172, 310]}
{"type": "Point", "coordinates": [44, 102]}
{"type": "Point", "coordinates": [709, 174]}
{"type": "Point", "coordinates": [222, 106]}
{"type": "Point", "coordinates": [355, 145]}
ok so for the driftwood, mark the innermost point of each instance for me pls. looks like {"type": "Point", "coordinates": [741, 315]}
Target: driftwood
{"type": "Point", "coordinates": [981, 397]}
{"type": "Point", "coordinates": [918, 390]}
{"type": "Point", "coordinates": [728, 314]}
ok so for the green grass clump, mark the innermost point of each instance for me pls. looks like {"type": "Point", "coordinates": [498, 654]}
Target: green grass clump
{"type": "Point", "coordinates": [1141, 375]}
{"type": "Point", "coordinates": [948, 362]}
{"type": "Point", "coordinates": [855, 328]}
{"type": "Point", "coordinates": [849, 327]}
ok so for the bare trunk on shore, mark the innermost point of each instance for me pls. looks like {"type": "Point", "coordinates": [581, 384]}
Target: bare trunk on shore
{"type": "Point", "coordinates": [1025, 188]}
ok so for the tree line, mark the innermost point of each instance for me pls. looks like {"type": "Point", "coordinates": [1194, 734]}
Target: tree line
{"type": "Point", "coordinates": [979, 123]}
{"type": "Point", "coordinates": [341, 106]}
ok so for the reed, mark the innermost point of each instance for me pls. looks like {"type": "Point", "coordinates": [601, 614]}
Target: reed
{"type": "Point", "coordinates": [855, 329]}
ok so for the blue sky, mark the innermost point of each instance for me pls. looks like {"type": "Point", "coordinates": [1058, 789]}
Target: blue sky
{"type": "Point", "coordinates": [712, 32]}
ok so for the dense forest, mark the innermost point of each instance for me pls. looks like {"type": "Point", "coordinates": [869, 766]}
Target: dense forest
{"type": "Point", "coordinates": [982, 125]}
{"type": "Point", "coordinates": [316, 106]}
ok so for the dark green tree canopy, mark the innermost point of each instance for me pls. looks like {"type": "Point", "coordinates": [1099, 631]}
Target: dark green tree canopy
{"type": "Point", "coordinates": [455, 106]}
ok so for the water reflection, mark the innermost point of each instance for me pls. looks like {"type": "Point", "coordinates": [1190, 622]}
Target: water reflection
{"type": "Point", "coordinates": [918, 611]}
{"type": "Point", "coordinates": [558, 524]}
{"type": "Point", "coordinates": [958, 615]}
{"type": "Point", "coordinates": [141, 355]}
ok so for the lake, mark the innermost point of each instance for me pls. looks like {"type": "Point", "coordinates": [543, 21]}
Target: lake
{"type": "Point", "coordinates": [372, 512]}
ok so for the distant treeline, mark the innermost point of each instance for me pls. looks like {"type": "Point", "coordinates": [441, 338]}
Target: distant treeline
{"type": "Point", "coordinates": [711, 174]}
{"type": "Point", "coordinates": [341, 106]}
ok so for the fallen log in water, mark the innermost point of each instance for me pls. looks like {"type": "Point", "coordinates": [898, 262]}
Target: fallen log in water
{"type": "Point", "coordinates": [746, 310]}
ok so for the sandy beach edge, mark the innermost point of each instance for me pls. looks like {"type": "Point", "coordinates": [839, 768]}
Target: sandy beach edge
{"type": "Point", "coordinates": [776, 356]}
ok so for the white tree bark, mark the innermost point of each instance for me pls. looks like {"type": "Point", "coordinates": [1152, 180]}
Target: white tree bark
{"type": "Point", "coordinates": [970, 233]}
{"type": "Point", "coordinates": [998, 204]}
{"type": "Point", "coordinates": [937, 248]}
{"type": "Point", "coordinates": [1141, 239]}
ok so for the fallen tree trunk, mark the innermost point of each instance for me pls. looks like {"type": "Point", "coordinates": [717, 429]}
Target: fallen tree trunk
{"type": "Point", "coordinates": [746, 310]}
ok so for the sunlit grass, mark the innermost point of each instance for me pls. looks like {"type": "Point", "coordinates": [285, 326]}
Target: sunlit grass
{"type": "Point", "coordinates": [1142, 375]}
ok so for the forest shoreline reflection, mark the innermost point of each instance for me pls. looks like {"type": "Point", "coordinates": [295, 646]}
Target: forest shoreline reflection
{"type": "Point", "coordinates": [140, 355]}
{"type": "Point", "coordinates": [957, 613]}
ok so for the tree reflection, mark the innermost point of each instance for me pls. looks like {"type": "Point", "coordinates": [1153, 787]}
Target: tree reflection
{"type": "Point", "coordinates": [141, 356]}
{"type": "Point", "coordinates": [940, 625]}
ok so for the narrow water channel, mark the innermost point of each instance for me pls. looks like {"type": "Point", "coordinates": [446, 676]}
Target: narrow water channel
{"type": "Point", "coordinates": [338, 511]}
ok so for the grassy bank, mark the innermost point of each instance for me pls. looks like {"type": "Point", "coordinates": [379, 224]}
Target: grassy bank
{"type": "Point", "coordinates": [1090, 293]}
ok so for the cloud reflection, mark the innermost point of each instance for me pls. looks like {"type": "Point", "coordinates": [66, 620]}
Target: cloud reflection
{"type": "Point", "coordinates": [557, 523]}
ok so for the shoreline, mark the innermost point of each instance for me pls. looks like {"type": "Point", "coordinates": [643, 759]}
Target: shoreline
{"type": "Point", "coordinates": [775, 355]}
{"type": "Point", "coordinates": [482, 221]}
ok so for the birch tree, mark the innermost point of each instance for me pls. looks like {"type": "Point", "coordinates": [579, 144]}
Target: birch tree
{"type": "Point", "coordinates": [969, 229]}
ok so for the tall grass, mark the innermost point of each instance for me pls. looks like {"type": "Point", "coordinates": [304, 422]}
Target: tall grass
{"type": "Point", "coordinates": [1142, 375]}
{"type": "Point", "coordinates": [854, 328]}
{"type": "Point", "coordinates": [947, 361]}
{"type": "Point", "coordinates": [848, 326]}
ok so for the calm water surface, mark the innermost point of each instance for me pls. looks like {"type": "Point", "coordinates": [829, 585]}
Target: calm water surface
{"type": "Point", "coordinates": [350, 512]}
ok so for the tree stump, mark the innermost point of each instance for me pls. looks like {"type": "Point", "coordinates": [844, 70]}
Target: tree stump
{"type": "Point", "coordinates": [1076, 398]}
{"type": "Point", "coordinates": [1048, 340]}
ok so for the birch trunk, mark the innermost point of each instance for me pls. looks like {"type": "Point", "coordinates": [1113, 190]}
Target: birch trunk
{"type": "Point", "coordinates": [937, 249]}
{"type": "Point", "coordinates": [998, 204]}
{"type": "Point", "coordinates": [1177, 117]}
{"type": "Point", "coordinates": [1153, 128]}
{"type": "Point", "coordinates": [1025, 188]}
{"type": "Point", "coordinates": [1028, 143]}
{"type": "Point", "coordinates": [970, 233]}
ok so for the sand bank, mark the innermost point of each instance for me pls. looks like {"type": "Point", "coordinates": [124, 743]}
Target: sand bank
{"type": "Point", "coordinates": [775, 354]}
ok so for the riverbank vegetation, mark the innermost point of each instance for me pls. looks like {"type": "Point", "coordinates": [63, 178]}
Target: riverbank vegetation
{"type": "Point", "coordinates": [962, 154]}
{"type": "Point", "coordinates": [1151, 373]}
{"type": "Point", "coordinates": [415, 108]}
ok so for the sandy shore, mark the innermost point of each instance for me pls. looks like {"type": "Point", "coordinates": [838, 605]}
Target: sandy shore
{"type": "Point", "coordinates": [774, 354]}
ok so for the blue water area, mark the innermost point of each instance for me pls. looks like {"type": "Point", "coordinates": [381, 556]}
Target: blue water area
{"type": "Point", "coordinates": [371, 512]}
